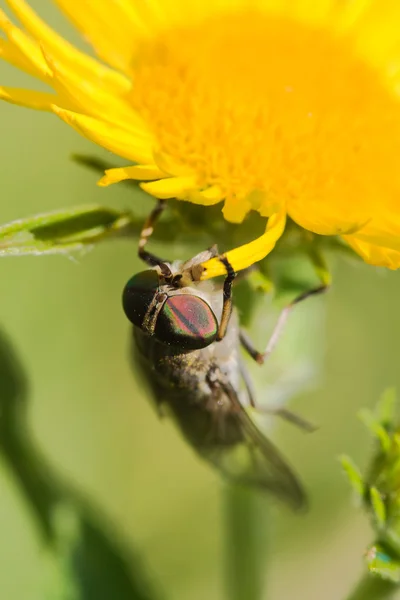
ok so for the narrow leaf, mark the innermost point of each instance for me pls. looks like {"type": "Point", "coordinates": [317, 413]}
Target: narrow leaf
{"type": "Point", "coordinates": [63, 231]}
{"type": "Point", "coordinates": [87, 558]}
{"type": "Point", "coordinates": [353, 475]}
{"type": "Point", "coordinates": [372, 423]}
{"type": "Point", "coordinates": [381, 561]}
{"type": "Point", "coordinates": [378, 507]}
{"type": "Point", "coordinates": [386, 409]}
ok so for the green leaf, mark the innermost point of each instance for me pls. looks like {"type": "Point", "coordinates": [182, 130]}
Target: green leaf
{"type": "Point", "coordinates": [63, 231]}
{"type": "Point", "coordinates": [373, 424]}
{"type": "Point", "coordinates": [94, 562]}
{"type": "Point", "coordinates": [383, 562]}
{"type": "Point", "coordinates": [259, 281]}
{"type": "Point", "coordinates": [87, 558]}
{"type": "Point", "coordinates": [249, 292]}
{"type": "Point", "coordinates": [353, 475]}
{"type": "Point", "coordinates": [378, 507]}
{"type": "Point", "coordinates": [320, 265]}
{"type": "Point", "coordinates": [386, 409]}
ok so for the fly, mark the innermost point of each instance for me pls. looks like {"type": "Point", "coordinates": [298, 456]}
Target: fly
{"type": "Point", "coordinates": [192, 361]}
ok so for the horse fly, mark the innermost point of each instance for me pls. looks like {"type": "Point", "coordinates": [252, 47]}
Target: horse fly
{"type": "Point", "coordinates": [193, 364]}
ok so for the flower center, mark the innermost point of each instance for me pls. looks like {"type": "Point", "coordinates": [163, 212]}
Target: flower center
{"type": "Point", "coordinates": [271, 110]}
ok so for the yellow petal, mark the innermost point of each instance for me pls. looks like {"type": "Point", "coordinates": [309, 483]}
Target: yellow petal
{"type": "Point", "coordinates": [173, 187]}
{"type": "Point", "coordinates": [109, 136]}
{"type": "Point", "coordinates": [26, 47]}
{"type": "Point", "coordinates": [111, 30]}
{"type": "Point", "coordinates": [378, 256]}
{"type": "Point", "coordinates": [236, 209]}
{"type": "Point", "coordinates": [30, 99]}
{"type": "Point", "coordinates": [308, 10]}
{"type": "Point", "coordinates": [382, 231]}
{"type": "Point", "coordinates": [60, 48]}
{"type": "Point", "coordinates": [377, 30]}
{"type": "Point", "coordinates": [327, 218]}
{"type": "Point", "coordinates": [138, 172]}
{"type": "Point", "coordinates": [85, 96]}
{"type": "Point", "coordinates": [244, 256]}
{"type": "Point", "coordinates": [161, 14]}
{"type": "Point", "coordinates": [349, 14]}
{"type": "Point", "coordinates": [208, 197]}
{"type": "Point", "coordinates": [10, 53]}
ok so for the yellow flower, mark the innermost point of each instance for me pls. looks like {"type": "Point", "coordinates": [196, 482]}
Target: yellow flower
{"type": "Point", "coordinates": [285, 107]}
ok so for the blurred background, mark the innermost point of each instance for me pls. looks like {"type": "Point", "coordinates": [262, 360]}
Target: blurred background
{"type": "Point", "coordinates": [97, 432]}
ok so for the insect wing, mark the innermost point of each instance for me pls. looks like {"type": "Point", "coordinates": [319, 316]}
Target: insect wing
{"type": "Point", "coordinates": [256, 461]}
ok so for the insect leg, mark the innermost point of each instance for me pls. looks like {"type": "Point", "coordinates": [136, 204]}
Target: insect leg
{"type": "Point", "coordinates": [294, 418]}
{"type": "Point", "coordinates": [147, 230]}
{"type": "Point", "coordinates": [248, 345]}
{"type": "Point", "coordinates": [282, 412]}
{"type": "Point", "coordinates": [248, 384]}
{"type": "Point", "coordinates": [227, 297]}
{"type": "Point", "coordinates": [261, 357]}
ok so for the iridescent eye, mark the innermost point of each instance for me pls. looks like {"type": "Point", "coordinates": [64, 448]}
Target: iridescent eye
{"type": "Point", "coordinates": [187, 322]}
{"type": "Point", "coordinates": [138, 295]}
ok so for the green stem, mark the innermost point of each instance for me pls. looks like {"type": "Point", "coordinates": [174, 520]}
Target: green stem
{"type": "Point", "coordinates": [245, 544]}
{"type": "Point", "coordinates": [371, 587]}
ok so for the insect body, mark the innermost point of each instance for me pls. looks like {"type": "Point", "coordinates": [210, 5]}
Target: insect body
{"type": "Point", "coordinates": [199, 374]}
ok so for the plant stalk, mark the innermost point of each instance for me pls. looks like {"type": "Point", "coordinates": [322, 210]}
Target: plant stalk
{"type": "Point", "coordinates": [245, 548]}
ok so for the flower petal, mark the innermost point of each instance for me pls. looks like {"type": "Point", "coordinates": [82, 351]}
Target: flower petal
{"type": "Point", "coordinates": [373, 254]}
{"type": "Point", "coordinates": [173, 187]}
{"type": "Point", "coordinates": [327, 218]}
{"type": "Point", "coordinates": [383, 232]}
{"type": "Point", "coordinates": [11, 54]}
{"type": "Point", "coordinates": [30, 99]}
{"type": "Point", "coordinates": [81, 63]}
{"type": "Point", "coordinates": [208, 197]}
{"type": "Point", "coordinates": [245, 256]}
{"type": "Point", "coordinates": [138, 172]}
{"type": "Point", "coordinates": [111, 137]}
{"type": "Point", "coordinates": [307, 10]}
{"type": "Point", "coordinates": [109, 26]}
{"type": "Point", "coordinates": [236, 209]}
{"type": "Point", "coordinates": [376, 27]}
{"type": "Point", "coordinates": [86, 97]}
{"type": "Point", "coordinates": [25, 47]}
{"type": "Point", "coordinates": [349, 13]}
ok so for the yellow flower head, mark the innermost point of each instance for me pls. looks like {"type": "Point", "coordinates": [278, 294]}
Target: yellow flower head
{"type": "Point", "coordinates": [285, 107]}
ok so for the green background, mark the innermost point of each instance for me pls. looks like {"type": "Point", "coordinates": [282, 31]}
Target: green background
{"type": "Point", "coordinates": [96, 429]}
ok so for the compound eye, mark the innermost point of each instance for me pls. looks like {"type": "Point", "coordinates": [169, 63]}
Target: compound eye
{"type": "Point", "coordinates": [187, 322]}
{"type": "Point", "coordinates": [138, 295]}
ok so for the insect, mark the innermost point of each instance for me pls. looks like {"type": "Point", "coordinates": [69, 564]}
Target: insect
{"type": "Point", "coordinates": [186, 341]}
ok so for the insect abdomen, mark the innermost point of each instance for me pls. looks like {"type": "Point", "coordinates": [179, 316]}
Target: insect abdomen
{"type": "Point", "coordinates": [179, 381]}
